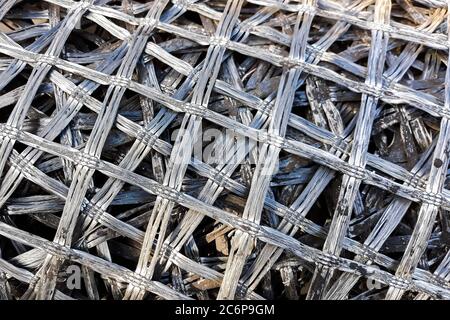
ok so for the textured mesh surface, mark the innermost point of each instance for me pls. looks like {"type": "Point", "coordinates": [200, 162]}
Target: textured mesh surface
{"type": "Point", "coordinates": [233, 149]}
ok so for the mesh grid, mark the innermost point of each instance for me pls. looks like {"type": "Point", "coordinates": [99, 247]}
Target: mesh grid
{"type": "Point", "coordinates": [328, 122]}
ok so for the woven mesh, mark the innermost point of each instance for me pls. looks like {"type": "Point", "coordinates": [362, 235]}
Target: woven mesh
{"type": "Point", "coordinates": [224, 149]}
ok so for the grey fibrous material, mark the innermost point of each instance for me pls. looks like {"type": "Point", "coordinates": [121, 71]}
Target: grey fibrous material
{"type": "Point", "coordinates": [333, 122]}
